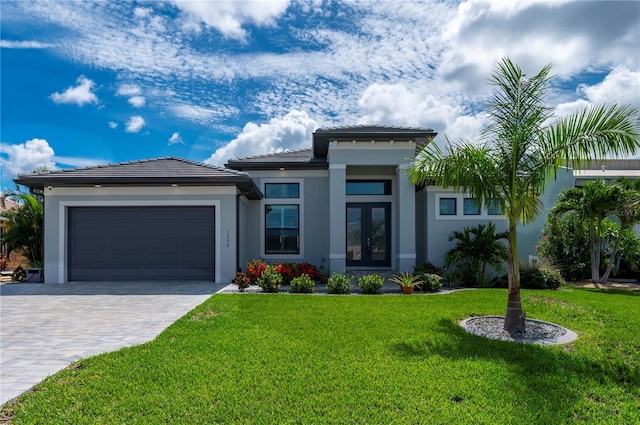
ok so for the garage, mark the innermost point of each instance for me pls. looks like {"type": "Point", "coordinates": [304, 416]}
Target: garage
{"type": "Point", "coordinates": [141, 243]}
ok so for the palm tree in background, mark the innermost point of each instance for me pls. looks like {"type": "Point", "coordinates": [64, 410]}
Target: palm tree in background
{"type": "Point", "coordinates": [25, 226]}
{"type": "Point", "coordinates": [592, 203]}
{"type": "Point", "coordinates": [520, 151]}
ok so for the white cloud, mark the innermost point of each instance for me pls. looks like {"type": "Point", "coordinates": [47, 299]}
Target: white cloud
{"type": "Point", "coordinates": [175, 138]}
{"type": "Point", "coordinates": [293, 131]}
{"type": "Point", "coordinates": [80, 94]}
{"type": "Point", "coordinates": [113, 125]}
{"type": "Point", "coordinates": [6, 44]}
{"type": "Point", "coordinates": [135, 124]}
{"type": "Point", "coordinates": [399, 105]}
{"type": "Point", "coordinates": [129, 90]}
{"type": "Point", "coordinates": [621, 86]}
{"type": "Point", "coordinates": [26, 157]}
{"type": "Point", "coordinates": [228, 17]}
{"type": "Point", "coordinates": [137, 101]}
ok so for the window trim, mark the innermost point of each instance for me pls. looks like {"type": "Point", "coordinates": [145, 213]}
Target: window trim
{"type": "Point", "coordinates": [460, 215]}
{"type": "Point", "coordinates": [282, 201]}
{"type": "Point", "coordinates": [280, 228]}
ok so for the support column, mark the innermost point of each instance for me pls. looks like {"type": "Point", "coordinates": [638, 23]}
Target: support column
{"type": "Point", "coordinates": [337, 217]}
{"type": "Point", "coordinates": [406, 219]}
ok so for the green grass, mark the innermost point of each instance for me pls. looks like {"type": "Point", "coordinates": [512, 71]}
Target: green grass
{"type": "Point", "coordinates": [300, 359]}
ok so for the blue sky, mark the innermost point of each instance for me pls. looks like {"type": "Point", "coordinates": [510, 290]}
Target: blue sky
{"type": "Point", "coordinates": [85, 83]}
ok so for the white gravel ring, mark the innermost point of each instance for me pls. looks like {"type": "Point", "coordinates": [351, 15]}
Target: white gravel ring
{"type": "Point", "coordinates": [538, 331]}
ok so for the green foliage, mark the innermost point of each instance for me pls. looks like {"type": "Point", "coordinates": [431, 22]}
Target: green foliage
{"type": "Point", "coordinates": [428, 267]}
{"type": "Point", "coordinates": [431, 282]}
{"type": "Point", "coordinates": [25, 223]}
{"type": "Point", "coordinates": [371, 283]}
{"type": "Point", "coordinates": [303, 284]}
{"type": "Point", "coordinates": [533, 277]}
{"type": "Point", "coordinates": [406, 279]}
{"type": "Point", "coordinates": [242, 280]}
{"type": "Point", "coordinates": [339, 283]}
{"type": "Point", "coordinates": [269, 280]}
{"type": "Point", "coordinates": [355, 360]}
{"type": "Point", "coordinates": [477, 248]}
{"type": "Point", "coordinates": [521, 149]}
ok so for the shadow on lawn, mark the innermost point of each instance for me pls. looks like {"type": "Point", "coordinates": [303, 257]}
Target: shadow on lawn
{"type": "Point", "coordinates": [535, 370]}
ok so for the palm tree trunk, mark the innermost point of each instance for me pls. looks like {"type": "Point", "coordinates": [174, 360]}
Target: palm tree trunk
{"type": "Point", "coordinates": [605, 276]}
{"type": "Point", "coordinates": [515, 319]}
{"type": "Point", "coordinates": [594, 255]}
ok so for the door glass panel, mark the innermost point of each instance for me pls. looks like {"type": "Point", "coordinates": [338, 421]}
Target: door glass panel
{"type": "Point", "coordinates": [354, 234]}
{"type": "Point", "coordinates": [378, 234]}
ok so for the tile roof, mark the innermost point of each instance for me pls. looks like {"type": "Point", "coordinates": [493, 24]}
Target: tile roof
{"type": "Point", "coordinates": [302, 158]}
{"type": "Point", "coordinates": [366, 129]}
{"type": "Point", "coordinates": [148, 172]}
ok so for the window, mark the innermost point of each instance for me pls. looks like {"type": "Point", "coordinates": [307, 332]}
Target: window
{"type": "Point", "coordinates": [470, 207]}
{"type": "Point", "coordinates": [448, 206]}
{"type": "Point", "coordinates": [282, 229]}
{"type": "Point", "coordinates": [368, 187]}
{"type": "Point", "coordinates": [282, 190]}
{"type": "Point", "coordinates": [494, 208]}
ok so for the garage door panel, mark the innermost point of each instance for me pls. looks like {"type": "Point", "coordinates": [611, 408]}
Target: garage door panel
{"type": "Point", "coordinates": [141, 243]}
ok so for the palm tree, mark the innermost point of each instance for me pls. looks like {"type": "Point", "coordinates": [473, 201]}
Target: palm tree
{"type": "Point", "coordinates": [519, 151]}
{"type": "Point", "coordinates": [592, 203]}
{"type": "Point", "coordinates": [628, 212]}
{"type": "Point", "coordinates": [24, 232]}
{"type": "Point", "coordinates": [478, 246]}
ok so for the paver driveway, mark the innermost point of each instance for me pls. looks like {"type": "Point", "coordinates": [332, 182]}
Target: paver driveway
{"type": "Point", "coordinates": [44, 328]}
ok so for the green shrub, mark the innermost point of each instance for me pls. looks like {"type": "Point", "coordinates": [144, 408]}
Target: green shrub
{"type": "Point", "coordinates": [428, 267]}
{"type": "Point", "coordinates": [371, 283]}
{"type": "Point", "coordinates": [532, 277]}
{"type": "Point", "coordinates": [303, 284]}
{"type": "Point", "coordinates": [554, 279]}
{"type": "Point", "coordinates": [270, 280]}
{"type": "Point", "coordinates": [430, 282]}
{"type": "Point", "coordinates": [339, 284]}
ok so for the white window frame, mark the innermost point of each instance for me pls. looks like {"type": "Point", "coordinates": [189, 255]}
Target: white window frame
{"type": "Point", "coordinates": [282, 201]}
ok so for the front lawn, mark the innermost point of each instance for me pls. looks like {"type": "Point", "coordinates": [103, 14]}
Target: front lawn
{"type": "Point", "coordinates": [281, 358]}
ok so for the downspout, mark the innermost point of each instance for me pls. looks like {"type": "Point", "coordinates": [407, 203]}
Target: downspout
{"type": "Point", "coordinates": [238, 231]}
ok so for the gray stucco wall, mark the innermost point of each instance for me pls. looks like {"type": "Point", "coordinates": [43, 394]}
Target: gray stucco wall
{"type": "Point", "coordinates": [529, 235]}
{"type": "Point", "coordinates": [434, 234]}
{"type": "Point", "coordinates": [58, 200]}
{"type": "Point", "coordinates": [314, 221]}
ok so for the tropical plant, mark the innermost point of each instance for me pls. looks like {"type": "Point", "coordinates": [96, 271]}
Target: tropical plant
{"type": "Point", "coordinates": [478, 247]}
{"type": "Point", "coordinates": [371, 283]}
{"type": "Point", "coordinates": [303, 284]}
{"type": "Point", "coordinates": [628, 212]}
{"type": "Point", "coordinates": [25, 226]}
{"type": "Point", "coordinates": [242, 280]}
{"type": "Point", "coordinates": [431, 282]}
{"type": "Point", "coordinates": [339, 283]}
{"type": "Point", "coordinates": [406, 279]}
{"type": "Point", "coordinates": [269, 280]}
{"type": "Point", "coordinates": [255, 268]}
{"type": "Point", "coordinates": [519, 151]}
{"type": "Point", "coordinates": [592, 203]}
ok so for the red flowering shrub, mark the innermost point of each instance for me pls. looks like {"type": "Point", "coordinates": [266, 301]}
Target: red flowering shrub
{"type": "Point", "coordinates": [255, 268]}
{"type": "Point", "coordinates": [308, 269]}
{"type": "Point", "coordinates": [286, 270]}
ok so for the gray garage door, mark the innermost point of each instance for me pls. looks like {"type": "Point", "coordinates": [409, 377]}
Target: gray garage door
{"type": "Point", "coordinates": [141, 243]}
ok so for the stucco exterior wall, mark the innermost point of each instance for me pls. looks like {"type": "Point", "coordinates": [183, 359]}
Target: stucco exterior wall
{"type": "Point", "coordinates": [59, 199]}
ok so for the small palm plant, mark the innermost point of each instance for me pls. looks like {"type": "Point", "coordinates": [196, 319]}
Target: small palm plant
{"type": "Point", "coordinates": [407, 281]}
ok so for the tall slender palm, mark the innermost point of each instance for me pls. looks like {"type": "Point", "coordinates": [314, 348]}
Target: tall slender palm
{"type": "Point", "coordinates": [593, 203]}
{"type": "Point", "coordinates": [519, 151]}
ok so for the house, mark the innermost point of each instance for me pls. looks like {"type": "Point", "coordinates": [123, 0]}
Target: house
{"type": "Point", "coordinates": [345, 203]}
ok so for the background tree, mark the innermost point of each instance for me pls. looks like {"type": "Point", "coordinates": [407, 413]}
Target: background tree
{"type": "Point", "coordinates": [25, 226]}
{"type": "Point", "coordinates": [592, 204]}
{"type": "Point", "coordinates": [519, 151]}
